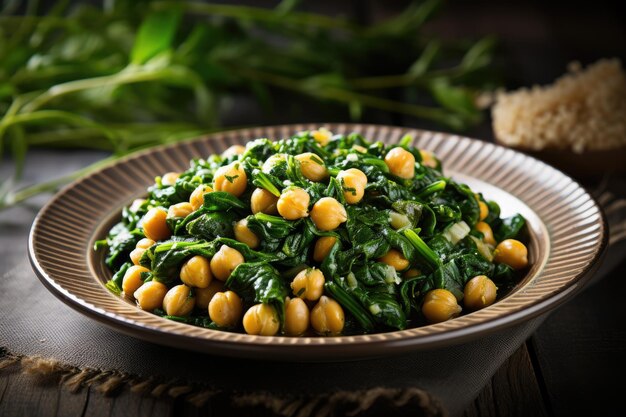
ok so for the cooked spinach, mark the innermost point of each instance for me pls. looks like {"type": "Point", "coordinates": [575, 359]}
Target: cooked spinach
{"type": "Point", "coordinates": [402, 239]}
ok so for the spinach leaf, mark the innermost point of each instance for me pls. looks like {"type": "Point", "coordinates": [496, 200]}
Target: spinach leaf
{"type": "Point", "coordinates": [220, 201]}
{"type": "Point", "coordinates": [259, 282]}
{"type": "Point", "coordinates": [121, 240]}
{"type": "Point", "coordinates": [351, 304]}
{"type": "Point", "coordinates": [510, 228]}
{"type": "Point", "coordinates": [212, 225]}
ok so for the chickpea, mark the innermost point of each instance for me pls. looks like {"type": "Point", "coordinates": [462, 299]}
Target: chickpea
{"type": "Point", "coordinates": [262, 201]}
{"type": "Point", "coordinates": [261, 319]}
{"type": "Point", "coordinates": [169, 178]}
{"type": "Point", "coordinates": [353, 182]}
{"type": "Point", "coordinates": [308, 284]}
{"type": "Point", "coordinates": [140, 248]}
{"type": "Point", "coordinates": [398, 220]}
{"type": "Point", "coordinates": [413, 272]}
{"type": "Point", "coordinates": [484, 210]}
{"type": "Point", "coordinates": [225, 261]}
{"type": "Point", "coordinates": [401, 163]}
{"type": "Point", "coordinates": [327, 317]}
{"type": "Point", "coordinates": [428, 159]}
{"type": "Point", "coordinates": [296, 317]}
{"type": "Point", "coordinates": [440, 305]}
{"type": "Point", "coordinates": [145, 243]}
{"type": "Point", "coordinates": [225, 309]}
{"type": "Point", "coordinates": [322, 136]}
{"type": "Point", "coordinates": [178, 301]}
{"type": "Point", "coordinates": [136, 254]}
{"type": "Point", "coordinates": [196, 272]}
{"type": "Point", "coordinates": [231, 178]}
{"type": "Point", "coordinates": [312, 166]}
{"type": "Point", "coordinates": [132, 279]}
{"type": "Point", "coordinates": [322, 248]}
{"type": "Point", "coordinates": [479, 292]}
{"type": "Point", "coordinates": [511, 252]}
{"type": "Point", "coordinates": [233, 150]}
{"type": "Point", "coordinates": [179, 210]}
{"type": "Point", "coordinates": [196, 199]}
{"type": "Point", "coordinates": [396, 259]}
{"type": "Point", "coordinates": [154, 224]}
{"type": "Point", "coordinates": [244, 235]}
{"type": "Point", "coordinates": [328, 213]}
{"type": "Point", "coordinates": [293, 203]}
{"type": "Point", "coordinates": [485, 229]}
{"type": "Point", "coordinates": [150, 295]}
{"type": "Point", "coordinates": [205, 295]}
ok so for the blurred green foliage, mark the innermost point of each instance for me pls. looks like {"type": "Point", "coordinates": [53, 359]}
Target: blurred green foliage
{"type": "Point", "coordinates": [131, 74]}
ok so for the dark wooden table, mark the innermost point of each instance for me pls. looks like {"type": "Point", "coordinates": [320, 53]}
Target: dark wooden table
{"type": "Point", "coordinates": [572, 365]}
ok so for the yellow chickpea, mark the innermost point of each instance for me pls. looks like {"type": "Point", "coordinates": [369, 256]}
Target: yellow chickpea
{"type": "Point", "coordinates": [312, 166]}
{"type": "Point", "coordinates": [327, 317]}
{"type": "Point", "coordinates": [196, 199]}
{"type": "Point", "coordinates": [296, 317]}
{"type": "Point", "coordinates": [231, 178]}
{"type": "Point", "coordinates": [428, 159]}
{"type": "Point", "coordinates": [353, 182]}
{"type": "Point", "coordinates": [413, 272]}
{"type": "Point", "coordinates": [145, 243]}
{"type": "Point", "coordinates": [322, 136]}
{"type": "Point", "coordinates": [225, 309]}
{"type": "Point", "coordinates": [196, 272]}
{"type": "Point", "coordinates": [328, 213]}
{"type": "Point", "coordinates": [244, 235]}
{"type": "Point", "coordinates": [225, 261]}
{"type": "Point", "coordinates": [479, 292]}
{"type": "Point", "coordinates": [136, 254]}
{"type": "Point", "coordinates": [150, 295]}
{"type": "Point", "coordinates": [169, 178]}
{"type": "Point", "coordinates": [485, 229]}
{"type": "Point", "coordinates": [233, 150]}
{"type": "Point", "coordinates": [484, 210]}
{"type": "Point", "coordinates": [322, 248]}
{"type": "Point", "coordinates": [293, 203]}
{"type": "Point", "coordinates": [396, 259]}
{"type": "Point", "coordinates": [511, 252]}
{"type": "Point", "coordinates": [132, 279]}
{"type": "Point", "coordinates": [401, 163]}
{"type": "Point", "coordinates": [308, 284]}
{"type": "Point", "coordinates": [140, 248]}
{"type": "Point", "coordinates": [178, 301]}
{"type": "Point", "coordinates": [179, 210]}
{"type": "Point", "coordinates": [154, 224]}
{"type": "Point", "coordinates": [440, 305]}
{"type": "Point", "coordinates": [205, 295]}
{"type": "Point", "coordinates": [261, 319]}
{"type": "Point", "coordinates": [262, 201]}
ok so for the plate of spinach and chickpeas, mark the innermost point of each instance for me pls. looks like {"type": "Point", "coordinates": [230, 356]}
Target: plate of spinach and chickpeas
{"type": "Point", "coordinates": [321, 233]}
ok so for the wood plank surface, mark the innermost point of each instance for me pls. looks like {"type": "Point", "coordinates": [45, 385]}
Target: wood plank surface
{"type": "Point", "coordinates": [513, 391]}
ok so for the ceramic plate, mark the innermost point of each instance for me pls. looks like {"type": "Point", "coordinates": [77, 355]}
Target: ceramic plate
{"type": "Point", "coordinates": [567, 229]}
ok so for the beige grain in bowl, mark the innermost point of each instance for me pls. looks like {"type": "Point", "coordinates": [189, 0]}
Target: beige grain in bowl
{"type": "Point", "coordinates": [577, 123]}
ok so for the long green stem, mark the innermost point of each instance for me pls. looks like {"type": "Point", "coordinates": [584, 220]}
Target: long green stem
{"type": "Point", "coordinates": [257, 14]}
{"type": "Point", "coordinates": [346, 96]}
